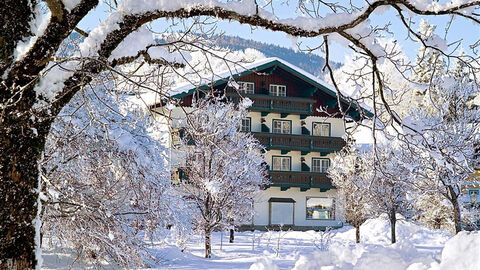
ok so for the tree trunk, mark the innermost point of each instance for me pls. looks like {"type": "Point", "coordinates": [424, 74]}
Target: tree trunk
{"type": "Point", "coordinates": [393, 221]}
{"type": "Point", "coordinates": [357, 234]}
{"type": "Point", "coordinates": [20, 149]}
{"type": "Point", "coordinates": [232, 237]}
{"type": "Point", "coordinates": [208, 243]}
{"type": "Point", "coordinates": [456, 213]}
{"type": "Point", "coordinates": [437, 223]}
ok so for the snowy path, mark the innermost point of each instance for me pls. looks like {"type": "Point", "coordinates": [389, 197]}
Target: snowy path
{"type": "Point", "coordinates": [240, 254]}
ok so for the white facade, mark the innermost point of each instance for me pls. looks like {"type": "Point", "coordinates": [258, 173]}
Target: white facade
{"type": "Point", "coordinates": [263, 215]}
{"type": "Point", "coordinates": [265, 212]}
{"type": "Point", "coordinates": [292, 214]}
{"type": "Point", "coordinates": [301, 196]}
{"type": "Point", "coordinates": [336, 124]}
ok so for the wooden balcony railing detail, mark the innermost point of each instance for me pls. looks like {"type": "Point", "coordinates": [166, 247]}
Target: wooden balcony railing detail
{"type": "Point", "coordinates": [269, 103]}
{"type": "Point", "coordinates": [299, 142]}
{"type": "Point", "coordinates": [286, 179]}
{"type": "Point", "coordinates": [300, 179]}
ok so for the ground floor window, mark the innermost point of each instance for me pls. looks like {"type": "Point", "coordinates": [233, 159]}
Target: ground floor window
{"type": "Point", "coordinates": [281, 211]}
{"type": "Point", "coordinates": [474, 195]}
{"type": "Point", "coordinates": [320, 208]}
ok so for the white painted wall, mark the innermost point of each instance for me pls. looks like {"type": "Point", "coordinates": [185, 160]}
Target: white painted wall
{"type": "Point", "coordinates": [337, 128]}
{"type": "Point", "coordinates": [296, 158]}
{"type": "Point", "coordinates": [261, 206]}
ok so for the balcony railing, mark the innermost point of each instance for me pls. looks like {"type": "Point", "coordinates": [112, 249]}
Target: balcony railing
{"type": "Point", "coordinates": [283, 179]}
{"type": "Point", "coordinates": [299, 142]}
{"type": "Point", "coordinates": [267, 103]}
{"type": "Point", "coordinates": [300, 179]}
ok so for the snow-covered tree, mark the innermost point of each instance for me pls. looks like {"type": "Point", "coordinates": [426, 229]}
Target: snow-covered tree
{"type": "Point", "coordinates": [224, 166]}
{"type": "Point", "coordinates": [443, 145]}
{"type": "Point", "coordinates": [347, 172]}
{"type": "Point", "coordinates": [389, 186]}
{"type": "Point", "coordinates": [105, 181]}
{"type": "Point", "coordinates": [36, 83]}
{"type": "Point", "coordinates": [373, 181]}
{"type": "Point", "coordinates": [429, 62]}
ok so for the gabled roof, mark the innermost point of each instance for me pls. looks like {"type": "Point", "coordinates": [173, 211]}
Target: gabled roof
{"type": "Point", "coordinates": [225, 77]}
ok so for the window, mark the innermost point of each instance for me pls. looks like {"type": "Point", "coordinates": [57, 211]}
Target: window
{"type": "Point", "coordinates": [177, 135]}
{"type": "Point", "coordinates": [474, 195]}
{"type": "Point", "coordinates": [282, 126]}
{"type": "Point", "coordinates": [246, 124]}
{"type": "Point", "coordinates": [278, 90]}
{"type": "Point", "coordinates": [246, 87]}
{"type": "Point", "coordinates": [281, 163]}
{"type": "Point", "coordinates": [321, 129]}
{"type": "Point", "coordinates": [320, 208]}
{"type": "Point", "coordinates": [320, 164]}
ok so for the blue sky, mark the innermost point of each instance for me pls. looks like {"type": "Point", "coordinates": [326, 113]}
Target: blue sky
{"type": "Point", "coordinates": [460, 29]}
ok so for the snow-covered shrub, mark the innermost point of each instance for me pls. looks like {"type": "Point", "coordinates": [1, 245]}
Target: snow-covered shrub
{"type": "Point", "coordinates": [434, 211]}
{"type": "Point", "coordinates": [323, 239]}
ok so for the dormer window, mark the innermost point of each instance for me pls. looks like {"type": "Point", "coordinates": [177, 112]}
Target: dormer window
{"type": "Point", "coordinates": [278, 90]}
{"type": "Point", "coordinates": [246, 87]}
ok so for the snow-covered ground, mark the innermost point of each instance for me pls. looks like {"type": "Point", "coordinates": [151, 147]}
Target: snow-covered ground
{"type": "Point", "coordinates": [418, 248]}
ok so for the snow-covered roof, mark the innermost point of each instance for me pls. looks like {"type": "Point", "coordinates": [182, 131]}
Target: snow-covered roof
{"type": "Point", "coordinates": [225, 76]}
{"type": "Point", "coordinates": [184, 88]}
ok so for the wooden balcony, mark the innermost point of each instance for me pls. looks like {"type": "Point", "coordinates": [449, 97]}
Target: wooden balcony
{"type": "Point", "coordinates": [299, 142]}
{"type": "Point", "coordinates": [282, 179]}
{"type": "Point", "coordinates": [303, 180]}
{"type": "Point", "coordinates": [275, 104]}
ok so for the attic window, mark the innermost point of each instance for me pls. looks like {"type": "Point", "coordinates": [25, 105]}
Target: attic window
{"type": "Point", "coordinates": [278, 90]}
{"type": "Point", "coordinates": [246, 87]}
